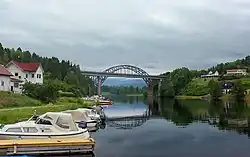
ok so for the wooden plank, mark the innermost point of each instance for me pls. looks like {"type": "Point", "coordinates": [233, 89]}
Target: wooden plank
{"type": "Point", "coordinates": [46, 142]}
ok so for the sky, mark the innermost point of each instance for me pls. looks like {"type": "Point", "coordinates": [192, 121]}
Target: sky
{"type": "Point", "coordinates": [155, 35]}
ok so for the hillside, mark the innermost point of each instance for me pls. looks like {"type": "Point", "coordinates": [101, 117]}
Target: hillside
{"type": "Point", "coordinates": [183, 81]}
{"type": "Point", "coordinates": [64, 73]}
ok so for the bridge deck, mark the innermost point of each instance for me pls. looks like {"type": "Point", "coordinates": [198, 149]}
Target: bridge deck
{"type": "Point", "coordinates": [93, 73]}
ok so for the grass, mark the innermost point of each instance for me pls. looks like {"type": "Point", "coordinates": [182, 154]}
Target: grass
{"type": "Point", "coordinates": [185, 97]}
{"type": "Point", "coordinates": [18, 114]}
{"type": "Point", "coordinates": [139, 94]}
{"type": "Point", "coordinates": [11, 100]}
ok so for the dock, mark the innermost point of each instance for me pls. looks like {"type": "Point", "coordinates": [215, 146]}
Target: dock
{"type": "Point", "coordinates": [46, 146]}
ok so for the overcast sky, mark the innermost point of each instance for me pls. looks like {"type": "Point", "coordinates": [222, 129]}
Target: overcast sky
{"type": "Point", "coordinates": [156, 35]}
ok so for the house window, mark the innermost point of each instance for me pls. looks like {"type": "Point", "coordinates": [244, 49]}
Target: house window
{"type": "Point", "coordinates": [39, 75]}
{"type": "Point", "coordinates": [16, 74]}
{"type": "Point", "coordinates": [20, 77]}
{"type": "Point", "coordinates": [27, 75]}
{"type": "Point", "coordinates": [2, 83]}
{"type": "Point", "coordinates": [16, 85]}
{"type": "Point", "coordinates": [33, 75]}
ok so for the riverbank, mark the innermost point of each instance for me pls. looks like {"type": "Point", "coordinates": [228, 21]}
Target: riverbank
{"type": "Point", "coordinates": [13, 115]}
{"type": "Point", "coordinates": [185, 97]}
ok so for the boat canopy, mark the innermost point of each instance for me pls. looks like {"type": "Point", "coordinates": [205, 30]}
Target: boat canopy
{"type": "Point", "coordinates": [62, 120]}
{"type": "Point", "coordinates": [78, 115]}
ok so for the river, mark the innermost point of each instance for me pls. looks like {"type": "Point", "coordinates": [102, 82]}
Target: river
{"type": "Point", "coordinates": [171, 128]}
{"type": "Point", "coordinates": [176, 129]}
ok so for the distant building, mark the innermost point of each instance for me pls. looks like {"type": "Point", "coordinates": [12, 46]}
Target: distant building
{"type": "Point", "coordinates": [7, 83]}
{"type": "Point", "coordinates": [226, 87]}
{"type": "Point", "coordinates": [27, 72]}
{"type": "Point", "coordinates": [211, 74]}
{"type": "Point", "coordinates": [236, 72]}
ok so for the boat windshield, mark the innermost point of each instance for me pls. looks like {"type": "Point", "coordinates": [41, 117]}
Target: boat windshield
{"type": "Point", "coordinates": [43, 121]}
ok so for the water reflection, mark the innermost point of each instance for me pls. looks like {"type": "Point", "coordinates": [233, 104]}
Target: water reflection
{"type": "Point", "coordinates": [173, 128]}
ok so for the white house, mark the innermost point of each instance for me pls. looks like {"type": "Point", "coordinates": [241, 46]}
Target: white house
{"type": "Point", "coordinates": [7, 83]}
{"type": "Point", "coordinates": [211, 74]}
{"type": "Point", "coordinates": [237, 72]}
{"type": "Point", "coordinates": [4, 79]}
{"type": "Point", "coordinates": [27, 72]}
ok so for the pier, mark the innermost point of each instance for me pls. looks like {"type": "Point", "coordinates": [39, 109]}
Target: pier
{"type": "Point", "coordinates": [46, 146]}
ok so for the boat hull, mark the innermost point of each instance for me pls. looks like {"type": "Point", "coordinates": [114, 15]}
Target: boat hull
{"type": "Point", "coordinates": [12, 136]}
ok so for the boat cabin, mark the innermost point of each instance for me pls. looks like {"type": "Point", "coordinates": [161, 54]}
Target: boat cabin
{"type": "Point", "coordinates": [46, 123]}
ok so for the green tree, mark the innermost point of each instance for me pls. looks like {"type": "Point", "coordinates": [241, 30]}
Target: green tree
{"type": "Point", "coordinates": [215, 89]}
{"type": "Point", "coordinates": [238, 91]}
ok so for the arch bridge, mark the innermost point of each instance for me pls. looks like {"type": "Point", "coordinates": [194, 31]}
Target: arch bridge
{"type": "Point", "coordinates": [125, 70]}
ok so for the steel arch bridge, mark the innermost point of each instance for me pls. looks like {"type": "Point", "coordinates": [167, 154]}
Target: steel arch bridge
{"type": "Point", "coordinates": [123, 70]}
{"type": "Point", "coordinates": [127, 70]}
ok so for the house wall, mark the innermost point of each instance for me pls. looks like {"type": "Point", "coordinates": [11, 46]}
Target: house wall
{"type": "Point", "coordinates": [6, 80]}
{"type": "Point", "coordinates": [39, 71]}
{"type": "Point", "coordinates": [25, 75]}
{"type": "Point", "coordinates": [14, 69]}
{"type": "Point", "coordinates": [16, 89]}
{"type": "Point", "coordinates": [239, 71]}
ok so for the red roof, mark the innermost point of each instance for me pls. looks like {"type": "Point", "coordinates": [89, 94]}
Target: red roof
{"type": "Point", "coordinates": [235, 70]}
{"type": "Point", "coordinates": [4, 71]}
{"type": "Point", "coordinates": [32, 66]}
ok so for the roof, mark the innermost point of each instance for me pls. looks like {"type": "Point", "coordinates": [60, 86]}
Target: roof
{"type": "Point", "coordinates": [31, 66]}
{"type": "Point", "coordinates": [235, 70]}
{"type": "Point", "coordinates": [4, 71]}
{"type": "Point", "coordinates": [12, 79]}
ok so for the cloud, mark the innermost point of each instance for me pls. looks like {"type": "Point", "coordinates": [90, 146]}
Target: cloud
{"type": "Point", "coordinates": [157, 35]}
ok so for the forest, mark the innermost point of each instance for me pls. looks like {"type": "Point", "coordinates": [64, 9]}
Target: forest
{"type": "Point", "coordinates": [124, 90]}
{"type": "Point", "coordinates": [62, 75]}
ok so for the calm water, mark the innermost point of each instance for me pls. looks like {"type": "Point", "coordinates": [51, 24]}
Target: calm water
{"type": "Point", "coordinates": [174, 129]}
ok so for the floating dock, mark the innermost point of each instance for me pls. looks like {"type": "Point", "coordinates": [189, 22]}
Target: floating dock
{"type": "Point", "coordinates": [46, 146]}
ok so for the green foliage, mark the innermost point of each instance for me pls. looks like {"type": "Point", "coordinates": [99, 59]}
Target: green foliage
{"type": "Point", "coordinates": [11, 100]}
{"type": "Point", "coordinates": [176, 81]}
{"type": "Point", "coordinates": [167, 88]}
{"type": "Point", "coordinates": [238, 91]}
{"type": "Point", "coordinates": [197, 88]}
{"type": "Point", "coordinates": [46, 93]}
{"type": "Point", "coordinates": [215, 89]}
{"type": "Point", "coordinates": [123, 90]}
{"type": "Point", "coordinates": [61, 71]}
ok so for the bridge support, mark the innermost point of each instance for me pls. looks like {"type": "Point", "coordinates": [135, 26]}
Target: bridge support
{"type": "Point", "coordinates": [151, 86]}
{"type": "Point", "coordinates": [99, 86]}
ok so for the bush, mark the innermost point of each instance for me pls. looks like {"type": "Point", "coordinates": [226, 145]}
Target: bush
{"type": "Point", "coordinates": [198, 87]}
{"type": "Point", "coordinates": [46, 93]}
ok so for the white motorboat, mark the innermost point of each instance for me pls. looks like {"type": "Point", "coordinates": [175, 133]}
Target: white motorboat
{"type": "Point", "coordinates": [91, 113]}
{"type": "Point", "coordinates": [81, 116]}
{"type": "Point", "coordinates": [48, 125]}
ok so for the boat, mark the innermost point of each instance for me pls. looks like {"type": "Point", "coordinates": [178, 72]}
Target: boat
{"type": "Point", "coordinates": [96, 112]}
{"type": "Point", "coordinates": [49, 125]}
{"type": "Point", "coordinates": [80, 116]}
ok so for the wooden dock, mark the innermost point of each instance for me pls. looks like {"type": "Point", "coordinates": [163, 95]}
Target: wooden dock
{"type": "Point", "coordinates": [46, 146]}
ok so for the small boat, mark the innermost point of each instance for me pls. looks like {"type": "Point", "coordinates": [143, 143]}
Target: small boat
{"type": "Point", "coordinates": [91, 113]}
{"type": "Point", "coordinates": [81, 116]}
{"type": "Point", "coordinates": [49, 125]}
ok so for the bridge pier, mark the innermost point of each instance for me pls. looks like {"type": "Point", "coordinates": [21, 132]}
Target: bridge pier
{"type": "Point", "coordinates": [151, 86]}
{"type": "Point", "coordinates": [99, 86]}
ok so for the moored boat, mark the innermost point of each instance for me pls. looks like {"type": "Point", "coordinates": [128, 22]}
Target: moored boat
{"type": "Point", "coordinates": [49, 125]}
{"type": "Point", "coordinates": [81, 116]}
